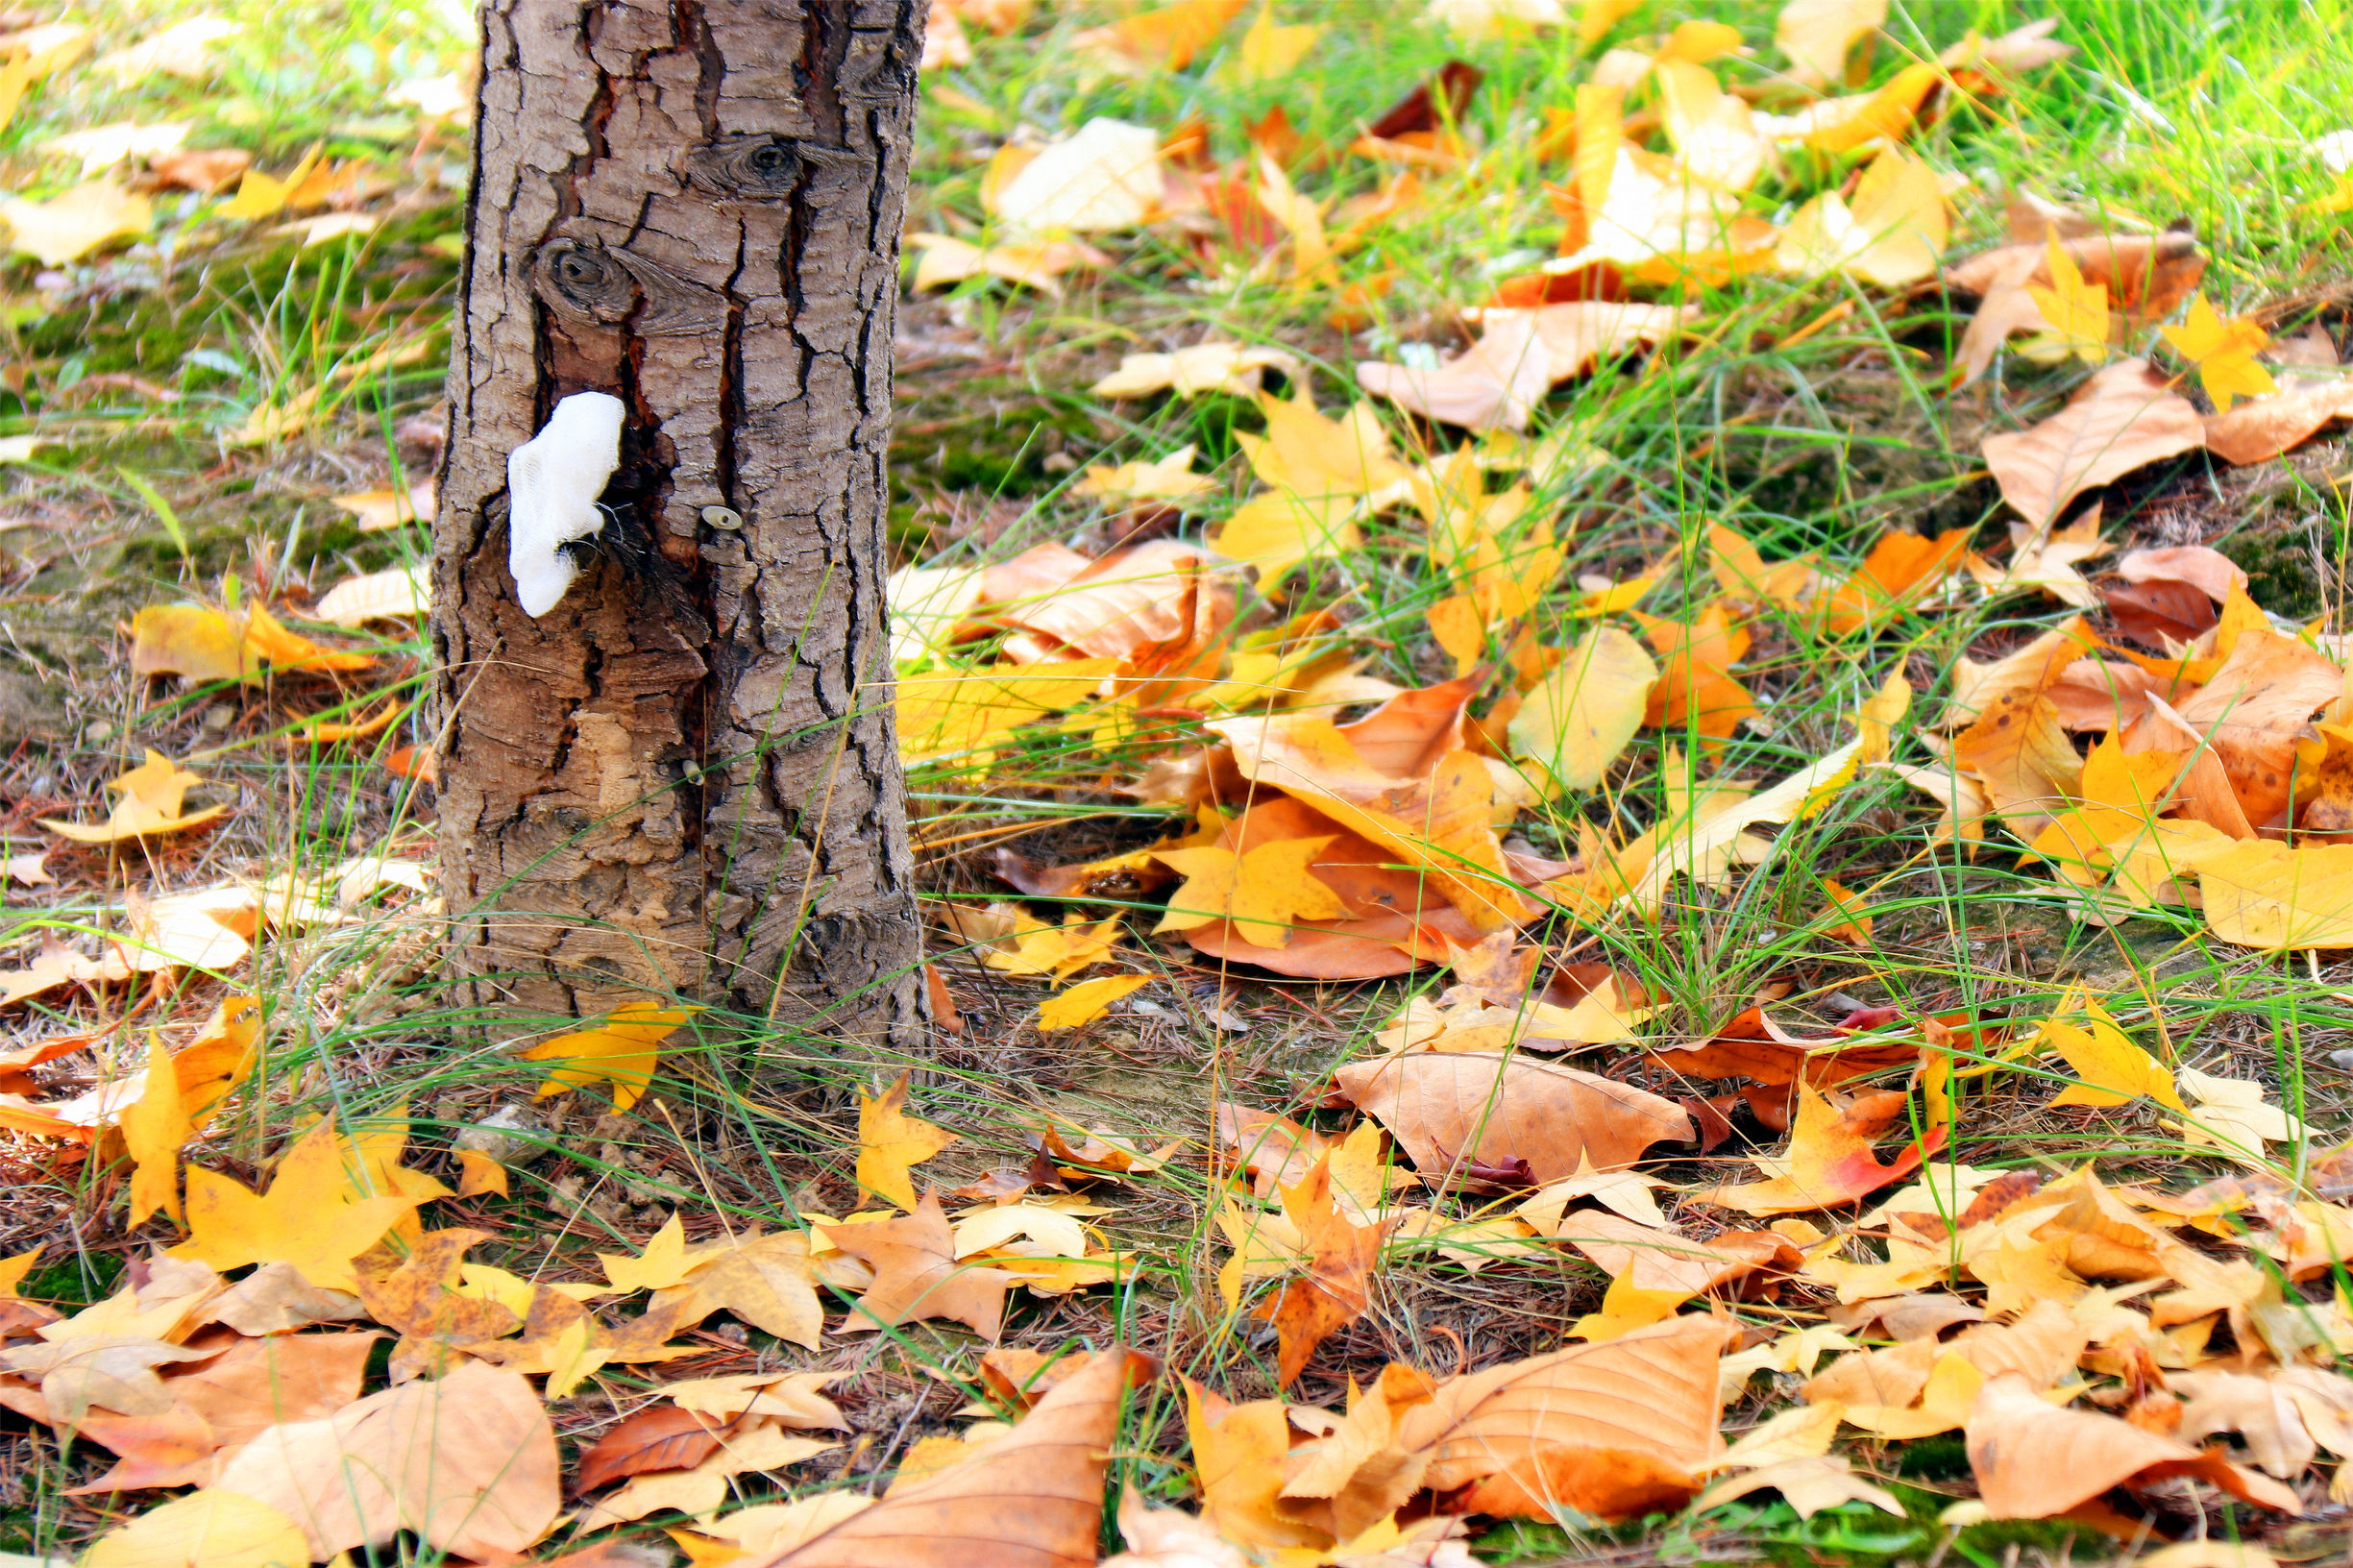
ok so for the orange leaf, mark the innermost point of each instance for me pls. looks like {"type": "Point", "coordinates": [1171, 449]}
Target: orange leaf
{"type": "Point", "coordinates": [1830, 1161]}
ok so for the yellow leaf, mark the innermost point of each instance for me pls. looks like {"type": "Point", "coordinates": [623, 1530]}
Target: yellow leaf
{"type": "Point", "coordinates": [1165, 38]}
{"type": "Point", "coordinates": [2078, 311]}
{"type": "Point", "coordinates": [1624, 1307]}
{"type": "Point", "coordinates": [1268, 51]}
{"type": "Point", "coordinates": [1265, 891]}
{"type": "Point", "coordinates": [265, 196]}
{"type": "Point", "coordinates": [1086, 1001]}
{"type": "Point", "coordinates": [2224, 353]}
{"type": "Point", "coordinates": [1574, 723]}
{"type": "Point", "coordinates": [1276, 532]}
{"type": "Point", "coordinates": [311, 1217]}
{"type": "Point", "coordinates": [662, 1265]}
{"type": "Point", "coordinates": [571, 1360]}
{"type": "Point", "coordinates": [478, 1173]}
{"type": "Point", "coordinates": [1816, 35]}
{"type": "Point", "coordinates": [2115, 1072]}
{"type": "Point", "coordinates": [1063, 950]}
{"type": "Point", "coordinates": [1598, 16]}
{"type": "Point", "coordinates": [1697, 43]}
{"type": "Point", "coordinates": [1170, 478]}
{"type": "Point", "coordinates": [621, 1051]}
{"type": "Point", "coordinates": [154, 1127]}
{"type": "Point", "coordinates": [965, 718]}
{"type": "Point", "coordinates": [208, 1529]}
{"type": "Point", "coordinates": [890, 1141]}
{"type": "Point", "coordinates": [70, 225]}
{"type": "Point", "coordinates": [1457, 627]}
{"type": "Point", "coordinates": [151, 795]}
{"type": "Point", "coordinates": [1891, 235]}
{"type": "Point", "coordinates": [12, 1270]}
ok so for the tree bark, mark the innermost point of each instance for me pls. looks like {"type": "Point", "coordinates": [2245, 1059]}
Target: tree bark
{"type": "Point", "coordinates": [684, 779]}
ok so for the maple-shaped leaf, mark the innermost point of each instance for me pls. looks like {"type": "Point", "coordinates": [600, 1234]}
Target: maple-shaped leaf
{"type": "Point", "coordinates": [422, 1301]}
{"type": "Point", "coordinates": [312, 1216]}
{"type": "Point", "coordinates": [1265, 891]}
{"type": "Point", "coordinates": [891, 1142]}
{"type": "Point", "coordinates": [621, 1050]}
{"type": "Point", "coordinates": [2111, 1068]}
{"type": "Point", "coordinates": [2076, 310]}
{"type": "Point", "coordinates": [150, 803]}
{"type": "Point", "coordinates": [769, 1282]}
{"type": "Point", "coordinates": [662, 1265]}
{"type": "Point", "coordinates": [2223, 351]}
{"type": "Point", "coordinates": [1337, 1284]}
{"type": "Point", "coordinates": [1034, 947]}
{"type": "Point", "coordinates": [1830, 1161]}
{"type": "Point", "coordinates": [916, 1274]}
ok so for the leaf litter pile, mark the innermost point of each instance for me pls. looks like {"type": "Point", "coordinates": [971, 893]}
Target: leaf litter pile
{"type": "Point", "coordinates": [1493, 1000]}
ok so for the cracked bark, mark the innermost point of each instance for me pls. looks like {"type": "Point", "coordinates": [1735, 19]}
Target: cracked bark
{"type": "Point", "coordinates": [684, 777]}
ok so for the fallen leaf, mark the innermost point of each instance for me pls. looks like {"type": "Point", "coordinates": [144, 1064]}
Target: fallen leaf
{"type": "Point", "coordinates": [703, 1486]}
{"type": "Point", "coordinates": [1337, 1286]}
{"type": "Point", "coordinates": [311, 1217]}
{"type": "Point", "coordinates": [153, 1128]}
{"type": "Point", "coordinates": [150, 801]}
{"type": "Point", "coordinates": [1205, 367]}
{"type": "Point", "coordinates": [2223, 354]}
{"type": "Point", "coordinates": [400, 593]}
{"type": "Point", "coordinates": [69, 226]}
{"type": "Point", "coordinates": [110, 1371]}
{"type": "Point", "coordinates": [1574, 723]}
{"type": "Point", "coordinates": [1086, 1001]}
{"type": "Point", "coordinates": [2033, 1461]}
{"type": "Point", "coordinates": [2075, 310]}
{"type": "Point", "coordinates": [1830, 1161]}
{"type": "Point", "coordinates": [2123, 419]}
{"type": "Point", "coordinates": [1614, 1430]}
{"type": "Point", "coordinates": [2260, 431]}
{"type": "Point", "coordinates": [1816, 35]}
{"type": "Point", "coordinates": [658, 1438]}
{"type": "Point", "coordinates": [621, 1050]}
{"type": "Point", "coordinates": [889, 1142]}
{"type": "Point", "coordinates": [1451, 1110]}
{"type": "Point", "coordinates": [467, 1462]}
{"type": "Point", "coordinates": [916, 1274]}
{"type": "Point", "coordinates": [1265, 891]}
{"type": "Point", "coordinates": [1106, 176]}
{"type": "Point", "coordinates": [1035, 1493]}
{"type": "Point", "coordinates": [1891, 235]}
{"type": "Point", "coordinates": [208, 1528]}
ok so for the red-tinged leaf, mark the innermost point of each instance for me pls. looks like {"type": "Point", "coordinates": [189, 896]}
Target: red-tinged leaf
{"type": "Point", "coordinates": [664, 1437]}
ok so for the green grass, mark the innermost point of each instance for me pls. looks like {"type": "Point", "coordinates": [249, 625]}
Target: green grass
{"type": "Point", "coordinates": [1818, 445]}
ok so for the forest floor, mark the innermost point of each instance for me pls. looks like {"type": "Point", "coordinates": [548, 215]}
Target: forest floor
{"type": "Point", "coordinates": [1649, 702]}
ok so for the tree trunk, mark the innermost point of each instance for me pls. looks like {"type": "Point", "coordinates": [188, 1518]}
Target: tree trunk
{"type": "Point", "coordinates": [683, 778]}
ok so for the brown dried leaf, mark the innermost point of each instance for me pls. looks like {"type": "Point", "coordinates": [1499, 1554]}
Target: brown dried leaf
{"type": "Point", "coordinates": [1614, 1430]}
{"type": "Point", "coordinates": [2033, 1461]}
{"type": "Point", "coordinates": [2125, 417]}
{"type": "Point", "coordinates": [1035, 1495]}
{"type": "Point", "coordinates": [1446, 1108]}
{"type": "Point", "coordinates": [466, 1462]}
